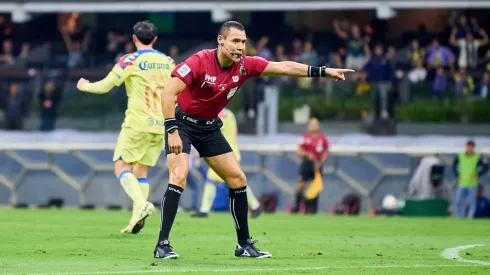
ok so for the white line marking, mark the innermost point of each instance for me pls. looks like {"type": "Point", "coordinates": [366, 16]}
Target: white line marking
{"type": "Point", "coordinates": [453, 254]}
{"type": "Point", "coordinates": [249, 269]}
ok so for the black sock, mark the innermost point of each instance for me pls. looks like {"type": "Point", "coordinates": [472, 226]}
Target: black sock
{"type": "Point", "coordinates": [239, 211]}
{"type": "Point", "coordinates": [170, 204]}
{"type": "Point", "coordinates": [299, 198]}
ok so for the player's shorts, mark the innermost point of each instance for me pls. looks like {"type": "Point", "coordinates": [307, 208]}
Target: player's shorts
{"type": "Point", "coordinates": [204, 134]}
{"type": "Point", "coordinates": [307, 170]}
{"type": "Point", "coordinates": [138, 147]}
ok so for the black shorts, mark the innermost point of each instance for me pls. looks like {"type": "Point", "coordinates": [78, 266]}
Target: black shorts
{"type": "Point", "coordinates": [307, 170]}
{"type": "Point", "coordinates": [204, 134]}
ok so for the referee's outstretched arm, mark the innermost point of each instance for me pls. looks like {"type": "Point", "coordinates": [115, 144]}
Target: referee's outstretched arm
{"type": "Point", "coordinates": [290, 68]}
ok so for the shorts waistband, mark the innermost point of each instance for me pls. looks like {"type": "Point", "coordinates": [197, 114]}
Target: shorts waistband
{"type": "Point", "coordinates": [181, 115]}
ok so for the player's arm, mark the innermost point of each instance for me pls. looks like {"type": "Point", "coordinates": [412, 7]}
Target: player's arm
{"type": "Point", "coordinates": [116, 77]}
{"type": "Point", "coordinates": [295, 69]}
{"type": "Point", "coordinates": [100, 87]}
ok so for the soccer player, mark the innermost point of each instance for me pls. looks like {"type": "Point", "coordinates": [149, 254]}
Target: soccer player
{"type": "Point", "coordinates": [140, 143]}
{"type": "Point", "coordinates": [314, 151]}
{"type": "Point", "coordinates": [204, 84]}
{"type": "Point", "coordinates": [230, 133]}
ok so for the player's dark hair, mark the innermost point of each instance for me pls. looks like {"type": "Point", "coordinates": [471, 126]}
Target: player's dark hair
{"type": "Point", "coordinates": [145, 32]}
{"type": "Point", "coordinates": [225, 27]}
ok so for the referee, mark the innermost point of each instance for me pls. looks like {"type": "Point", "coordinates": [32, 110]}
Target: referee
{"type": "Point", "coordinates": [313, 149]}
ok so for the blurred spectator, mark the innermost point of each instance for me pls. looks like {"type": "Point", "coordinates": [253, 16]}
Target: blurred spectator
{"type": "Point", "coordinates": [309, 56]}
{"type": "Point", "coordinates": [114, 41]}
{"type": "Point", "coordinates": [25, 49]}
{"type": "Point", "coordinates": [128, 48]}
{"type": "Point", "coordinates": [14, 108]}
{"type": "Point", "coordinates": [380, 74]}
{"type": "Point", "coordinates": [468, 48]}
{"type": "Point", "coordinates": [416, 54]}
{"type": "Point", "coordinates": [462, 27]}
{"type": "Point", "coordinates": [438, 55]}
{"type": "Point", "coordinates": [77, 38]}
{"type": "Point", "coordinates": [262, 49]}
{"type": "Point", "coordinates": [439, 84]}
{"type": "Point", "coordinates": [297, 50]}
{"type": "Point", "coordinates": [468, 167]}
{"type": "Point", "coordinates": [49, 99]}
{"type": "Point", "coordinates": [363, 86]}
{"type": "Point", "coordinates": [249, 48]}
{"type": "Point", "coordinates": [7, 58]}
{"type": "Point", "coordinates": [464, 83]}
{"type": "Point", "coordinates": [418, 73]}
{"type": "Point", "coordinates": [483, 89]}
{"type": "Point", "coordinates": [173, 52]}
{"type": "Point", "coordinates": [280, 53]}
{"type": "Point", "coordinates": [355, 45]}
{"type": "Point", "coordinates": [482, 204]}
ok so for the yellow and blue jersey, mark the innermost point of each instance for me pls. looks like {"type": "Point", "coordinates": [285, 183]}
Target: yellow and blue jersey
{"type": "Point", "coordinates": [144, 73]}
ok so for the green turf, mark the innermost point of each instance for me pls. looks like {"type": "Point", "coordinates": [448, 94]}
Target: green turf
{"type": "Point", "coordinates": [74, 241]}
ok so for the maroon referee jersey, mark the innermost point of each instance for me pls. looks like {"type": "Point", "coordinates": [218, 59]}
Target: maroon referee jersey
{"type": "Point", "coordinates": [210, 87]}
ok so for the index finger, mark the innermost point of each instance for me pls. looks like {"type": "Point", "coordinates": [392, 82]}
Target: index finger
{"type": "Point", "coordinates": [347, 70]}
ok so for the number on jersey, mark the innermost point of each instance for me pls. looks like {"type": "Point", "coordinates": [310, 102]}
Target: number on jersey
{"type": "Point", "coordinates": [151, 98]}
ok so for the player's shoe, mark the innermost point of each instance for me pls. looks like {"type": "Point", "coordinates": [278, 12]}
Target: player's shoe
{"type": "Point", "coordinates": [139, 216]}
{"type": "Point", "coordinates": [249, 250]}
{"type": "Point", "coordinates": [199, 214]}
{"type": "Point", "coordinates": [256, 213]}
{"type": "Point", "coordinates": [163, 250]}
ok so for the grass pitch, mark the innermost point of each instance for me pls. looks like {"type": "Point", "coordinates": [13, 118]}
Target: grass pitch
{"type": "Point", "coordinates": [70, 241]}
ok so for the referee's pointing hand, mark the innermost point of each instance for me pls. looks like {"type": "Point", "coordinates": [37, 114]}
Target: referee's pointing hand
{"type": "Point", "coordinates": [175, 142]}
{"type": "Point", "coordinates": [337, 74]}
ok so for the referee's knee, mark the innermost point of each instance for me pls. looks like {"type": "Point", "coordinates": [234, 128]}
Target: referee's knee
{"type": "Point", "coordinates": [178, 178]}
{"type": "Point", "coordinates": [237, 181]}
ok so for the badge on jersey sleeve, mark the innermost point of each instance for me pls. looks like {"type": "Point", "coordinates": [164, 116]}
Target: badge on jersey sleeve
{"type": "Point", "coordinates": [231, 93]}
{"type": "Point", "coordinates": [184, 70]}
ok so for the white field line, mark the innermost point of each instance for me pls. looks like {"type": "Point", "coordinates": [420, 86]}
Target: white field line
{"type": "Point", "coordinates": [453, 254]}
{"type": "Point", "coordinates": [249, 269]}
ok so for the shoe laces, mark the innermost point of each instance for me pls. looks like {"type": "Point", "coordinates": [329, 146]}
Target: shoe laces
{"type": "Point", "coordinates": [167, 248]}
{"type": "Point", "coordinates": [252, 245]}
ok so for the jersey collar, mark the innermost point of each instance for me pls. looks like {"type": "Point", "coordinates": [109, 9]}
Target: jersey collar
{"type": "Point", "coordinates": [217, 62]}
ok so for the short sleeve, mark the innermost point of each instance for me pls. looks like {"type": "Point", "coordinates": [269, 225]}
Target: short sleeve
{"type": "Point", "coordinates": [188, 70]}
{"type": "Point", "coordinates": [255, 65]}
{"type": "Point", "coordinates": [325, 143]}
{"type": "Point", "coordinates": [123, 69]}
{"type": "Point", "coordinates": [302, 141]}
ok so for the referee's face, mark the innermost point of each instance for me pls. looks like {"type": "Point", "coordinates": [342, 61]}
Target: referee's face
{"type": "Point", "coordinates": [234, 43]}
{"type": "Point", "coordinates": [314, 126]}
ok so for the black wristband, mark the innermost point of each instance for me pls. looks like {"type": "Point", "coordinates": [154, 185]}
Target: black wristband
{"type": "Point", "coordinates": [170, 125]}
{"type": "Point", "coordinates": [316, 71]}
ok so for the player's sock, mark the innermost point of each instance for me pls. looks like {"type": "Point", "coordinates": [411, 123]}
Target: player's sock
{"type": "Point", "coordinates": [130, 184]}
{"type": "Point", "coordinates": [144, 187]}
{"type": "Point", "coordinates": [208, 195]}
{"type": "Point", "coordinates": [239, 211]}
{"type": "Point", "coordinates": [170, 204]}
{"type": "Point", "coordinates": [299, 198]}
{"type": "Point", "coordinates": [252, 200]}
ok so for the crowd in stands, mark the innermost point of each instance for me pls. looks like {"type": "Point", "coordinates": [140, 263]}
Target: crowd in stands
{"type": "Point", "coordinates": [432, 65]}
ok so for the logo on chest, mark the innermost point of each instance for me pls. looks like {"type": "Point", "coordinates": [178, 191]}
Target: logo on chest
{"type": "Point", "coordinates": [210, 79]}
